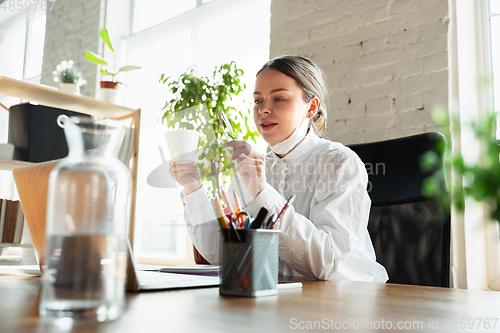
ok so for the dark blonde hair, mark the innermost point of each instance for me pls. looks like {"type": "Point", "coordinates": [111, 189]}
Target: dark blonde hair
{"type": "Point", "coordinates": [310, 78]}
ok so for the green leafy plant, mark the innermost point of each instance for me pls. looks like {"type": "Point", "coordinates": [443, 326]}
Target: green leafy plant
{"type": "Point", "coordinates": [481, 180]}
{"type": "Point", "coordinates": [216, 92]}
{"type": "Point", "coordinates": [67, 72]}
{"type": "Point", "coordinates": [98, 60]}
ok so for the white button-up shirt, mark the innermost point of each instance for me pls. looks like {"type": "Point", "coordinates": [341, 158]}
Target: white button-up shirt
{"type": "Point", "coordinates": [324, 234]}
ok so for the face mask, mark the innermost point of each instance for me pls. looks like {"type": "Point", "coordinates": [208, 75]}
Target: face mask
{"type": "Point", "coordinates": [297, 136]}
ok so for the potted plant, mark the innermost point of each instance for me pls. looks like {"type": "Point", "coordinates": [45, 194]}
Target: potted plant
{"type": "Point", "coordinates": [481, 179]}
{"type": "Point", "coordinates": [108, 70]}
{"type": "Point", "coordinates": [216, 92]}
{"type": "Point", "coordinates": [69, 76]}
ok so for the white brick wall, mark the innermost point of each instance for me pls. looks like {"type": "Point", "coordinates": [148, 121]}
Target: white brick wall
{"type": "Point", "coordinates": [71, 30]}
{"type": "Point", "coordinates": [386, 61]}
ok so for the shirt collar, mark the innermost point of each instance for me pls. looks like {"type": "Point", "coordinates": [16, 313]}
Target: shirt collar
{"type": "Point", "coordinates": [300, 152]}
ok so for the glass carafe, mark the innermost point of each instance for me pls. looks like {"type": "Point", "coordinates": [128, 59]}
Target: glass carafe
{"type": "Point", "coordinates": [84, 270]}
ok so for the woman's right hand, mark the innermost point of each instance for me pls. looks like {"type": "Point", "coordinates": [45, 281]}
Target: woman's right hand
{"type": "Point", "coordinates": [250, 165]}
{"type": "Point", "coordinates": [188, 175]}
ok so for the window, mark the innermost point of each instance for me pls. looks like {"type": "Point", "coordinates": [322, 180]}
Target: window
{"type": "Point", "coordinates": [200, 35]}
{"type": "Point", "coordinates": [35, 39]}
{"type": "Point", "coordinates": [494, 15]}
{"type": "Point", "coordinates": [148, 13]}
{"type": "Point", "coordinates": [21, 50]}
{"type": "Point", "coordinates": [22, 36]}
{"type": "Point", "coordinates": [494, 32]}
{"type": "Point", "coordinates": [21, 45]}
{"type": "Point", "coordinates": [473, 53]}
{"type": "Point", "coordinates": [12, 46]}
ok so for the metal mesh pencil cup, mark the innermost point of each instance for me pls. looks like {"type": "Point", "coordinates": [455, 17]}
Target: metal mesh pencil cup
{"type": "Point", "coordinates": [249, 264]}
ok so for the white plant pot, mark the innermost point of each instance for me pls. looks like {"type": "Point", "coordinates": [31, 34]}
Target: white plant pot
{"type": "Point", "coordinates": [71, 88]}
{"type": "Point", "coordinates": [107, 95]}
{"type": "Point", "coordinates": [6, 151]}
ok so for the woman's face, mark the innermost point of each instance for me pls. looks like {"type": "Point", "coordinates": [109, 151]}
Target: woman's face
{"type": "Point", "coordinates": [279, 106]}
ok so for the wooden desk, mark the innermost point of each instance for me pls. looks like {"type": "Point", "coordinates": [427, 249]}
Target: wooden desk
{"type": "Point", "coordinates": [203, 310]}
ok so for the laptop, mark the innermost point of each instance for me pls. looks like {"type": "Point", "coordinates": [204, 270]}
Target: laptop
{"type": "Point", "coordinates": [151, 280]}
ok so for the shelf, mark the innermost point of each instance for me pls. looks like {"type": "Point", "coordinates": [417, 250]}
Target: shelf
{"type": "Point", "coordinates": [9, 165]}
{"type": "Point", "coordinates": [53, 97]}
{"type": "Point", "coordinates": [15, 245]}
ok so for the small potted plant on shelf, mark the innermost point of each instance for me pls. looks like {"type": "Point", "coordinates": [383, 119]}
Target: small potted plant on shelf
{"type": "Point", "coordinates": [108, 92]}
{"type": "Point", "coordinates": [69, 76]}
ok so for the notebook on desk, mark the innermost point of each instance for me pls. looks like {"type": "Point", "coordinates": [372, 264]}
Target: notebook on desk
{"type": "Point", "coordinates": [148, 280]}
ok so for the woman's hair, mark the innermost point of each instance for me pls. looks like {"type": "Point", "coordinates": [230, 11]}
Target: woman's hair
{"type": "Point", "coordinates": [310, 78]}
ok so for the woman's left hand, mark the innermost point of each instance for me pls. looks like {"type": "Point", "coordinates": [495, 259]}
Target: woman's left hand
{"type": "Point", "coordinates": [250, 166]}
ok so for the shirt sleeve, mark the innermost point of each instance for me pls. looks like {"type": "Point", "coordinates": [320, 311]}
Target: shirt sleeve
{"type": "Point", "coordinates": [318, 246]}
{"type": "Point", "coordinates": [202, 224]}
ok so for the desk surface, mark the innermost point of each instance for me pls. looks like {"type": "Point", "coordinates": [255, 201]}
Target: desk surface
{"type": "Point", "coordinates": [329, 303]}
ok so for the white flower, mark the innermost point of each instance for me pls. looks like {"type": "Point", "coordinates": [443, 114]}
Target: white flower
{"type": "Point", "coordinates": [66, 72]}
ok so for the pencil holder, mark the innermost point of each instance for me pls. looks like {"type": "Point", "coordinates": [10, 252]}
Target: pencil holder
{"type": "Point", "coordinates": [249, 262]}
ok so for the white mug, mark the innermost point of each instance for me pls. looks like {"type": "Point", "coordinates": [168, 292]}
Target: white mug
{"type": "Point", "coordinates": [182, 144]}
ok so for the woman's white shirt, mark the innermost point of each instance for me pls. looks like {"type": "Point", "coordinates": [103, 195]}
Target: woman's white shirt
{"type": "Point", "coordinates": [324, 234]}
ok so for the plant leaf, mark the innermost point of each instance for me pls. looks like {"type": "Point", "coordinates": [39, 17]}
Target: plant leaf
{"type": "Point", "coordinates": [128, 68]}
{"type": "Point", "coordinates": [106, 72]}
{"type": "Point", "coordinates": [92, 57]}
{"type": "Point", "coordinates": [105, 37]}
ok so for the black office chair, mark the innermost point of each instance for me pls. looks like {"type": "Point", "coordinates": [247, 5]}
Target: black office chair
{"type": "Point", "coordinates": [410, 232]}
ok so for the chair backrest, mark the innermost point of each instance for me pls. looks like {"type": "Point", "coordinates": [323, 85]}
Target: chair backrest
{"type": "Point", "coordinates": [410, 232]}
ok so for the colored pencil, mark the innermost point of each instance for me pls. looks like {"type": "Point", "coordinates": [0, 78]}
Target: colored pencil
{"type": "Point", "coordinates": [283, 210]}
{"type": "Point", "coordinates": [220, 211]}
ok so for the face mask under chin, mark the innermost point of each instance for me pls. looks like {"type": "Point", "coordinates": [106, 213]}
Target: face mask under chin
{"type": "Point", "coordinates": [288, 144]}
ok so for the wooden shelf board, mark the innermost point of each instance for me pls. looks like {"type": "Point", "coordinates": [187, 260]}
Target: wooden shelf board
{"type": "Point", "coordinates": [15, 245]}
{"type": "Point", "coordinates": [11, 164]}
{"type": "Point", "coordinates": [53, 97]}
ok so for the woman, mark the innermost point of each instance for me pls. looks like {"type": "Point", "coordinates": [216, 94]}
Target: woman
{"type": "Point", "coordinates": [324, 235]}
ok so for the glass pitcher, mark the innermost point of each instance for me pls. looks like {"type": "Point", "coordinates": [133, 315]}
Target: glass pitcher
{"type": "Point", "coordinates": [84, 270]}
